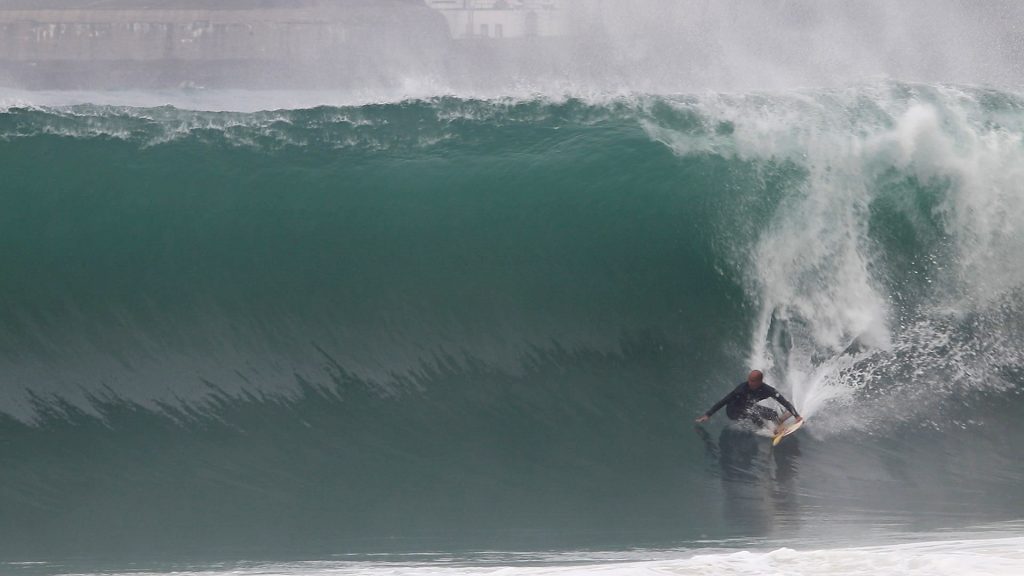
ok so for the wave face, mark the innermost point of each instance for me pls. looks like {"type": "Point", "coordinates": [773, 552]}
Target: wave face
{"type": "Point", "coordinates": [490, 323]}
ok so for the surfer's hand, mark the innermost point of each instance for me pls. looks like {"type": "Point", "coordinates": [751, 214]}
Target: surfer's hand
{"type": "Point", "coordinates": [702, 419]}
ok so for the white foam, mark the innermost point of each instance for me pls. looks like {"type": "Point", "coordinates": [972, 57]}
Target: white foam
{"type": "Point", "coordinates": [827, 325]}
{"type": "Point", "coordinates": [990, 557]}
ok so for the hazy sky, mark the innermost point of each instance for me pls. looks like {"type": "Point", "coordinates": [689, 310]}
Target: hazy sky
{"type": "Point", "coordinates": [189, 4]}
{"type": "Point", "coordinates": [679, 45]}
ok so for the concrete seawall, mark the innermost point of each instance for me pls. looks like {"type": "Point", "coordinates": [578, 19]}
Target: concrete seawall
{"type": "Point", "coordinates": [325, 46]}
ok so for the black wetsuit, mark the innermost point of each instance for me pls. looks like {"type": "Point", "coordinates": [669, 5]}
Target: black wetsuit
{"type": "Point", "coordinates": [742, 403]}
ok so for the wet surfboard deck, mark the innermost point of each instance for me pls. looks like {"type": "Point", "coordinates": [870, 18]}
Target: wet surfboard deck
{"type": "Point", "coordinates": [786, 430]}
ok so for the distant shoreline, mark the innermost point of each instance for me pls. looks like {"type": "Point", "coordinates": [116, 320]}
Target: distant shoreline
{"type": "Point", "coordinates": [273, 46]}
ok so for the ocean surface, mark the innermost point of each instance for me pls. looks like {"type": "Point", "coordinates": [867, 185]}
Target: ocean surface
{"type": "Point", "coordinates": [470, 336]}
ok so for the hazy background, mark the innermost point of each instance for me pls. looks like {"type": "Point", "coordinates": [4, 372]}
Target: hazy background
{"type": "Point", "coordinates": [388, 49]}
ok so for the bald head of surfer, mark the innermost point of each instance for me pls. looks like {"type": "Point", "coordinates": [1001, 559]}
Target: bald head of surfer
{"type": "Point", "coordinates": [755, 379]}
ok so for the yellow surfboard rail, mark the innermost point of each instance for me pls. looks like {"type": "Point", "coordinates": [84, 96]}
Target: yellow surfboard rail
{"type": "Point", "coordinates": [785, 430]}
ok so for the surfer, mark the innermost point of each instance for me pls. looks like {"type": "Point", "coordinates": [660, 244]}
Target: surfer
{"type": "Point", "coordinates": [742, 403]}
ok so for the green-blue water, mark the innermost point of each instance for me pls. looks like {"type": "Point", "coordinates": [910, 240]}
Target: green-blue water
{"type": "Point", "coordinates": [457, 324]}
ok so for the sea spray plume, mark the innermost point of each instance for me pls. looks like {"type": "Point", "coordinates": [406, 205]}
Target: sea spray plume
{"type": "Point", "coordinates": [686, 46]}
{"type": "Point", "coordinates": [844, 304]}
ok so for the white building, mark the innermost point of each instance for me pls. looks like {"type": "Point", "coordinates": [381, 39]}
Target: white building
{"type": "Point", "coordinates": [501, 18]}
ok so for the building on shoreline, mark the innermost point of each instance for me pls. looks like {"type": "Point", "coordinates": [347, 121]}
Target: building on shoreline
{"type": "Point", "coordinates": [497, 19]}
{"type": "Point", "coordinates": [247, 43]}
{"type": "Point", "coordinates": [269, 44]}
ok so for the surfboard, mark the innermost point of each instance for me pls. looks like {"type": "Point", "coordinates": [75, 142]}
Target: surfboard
{"type": "Point", "coordinates": [786, 430]}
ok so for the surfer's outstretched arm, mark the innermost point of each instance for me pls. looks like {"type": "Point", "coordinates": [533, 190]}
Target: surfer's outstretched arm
{"type": "Point", "coordinates": [718, 405]}
{"type": "Point", "coordinates": [791, 411]}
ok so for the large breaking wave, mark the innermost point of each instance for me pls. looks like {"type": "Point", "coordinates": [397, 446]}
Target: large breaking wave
{"type": "Point", "coordinates": [492, 321]}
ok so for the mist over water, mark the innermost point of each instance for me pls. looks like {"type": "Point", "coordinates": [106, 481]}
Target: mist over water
{"type": "Point", "coordinates": [395, 50]}
{"type": "Point", "coordinates": [473, 296]}
{"type": "Point", "coordinates": [743, 46]}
